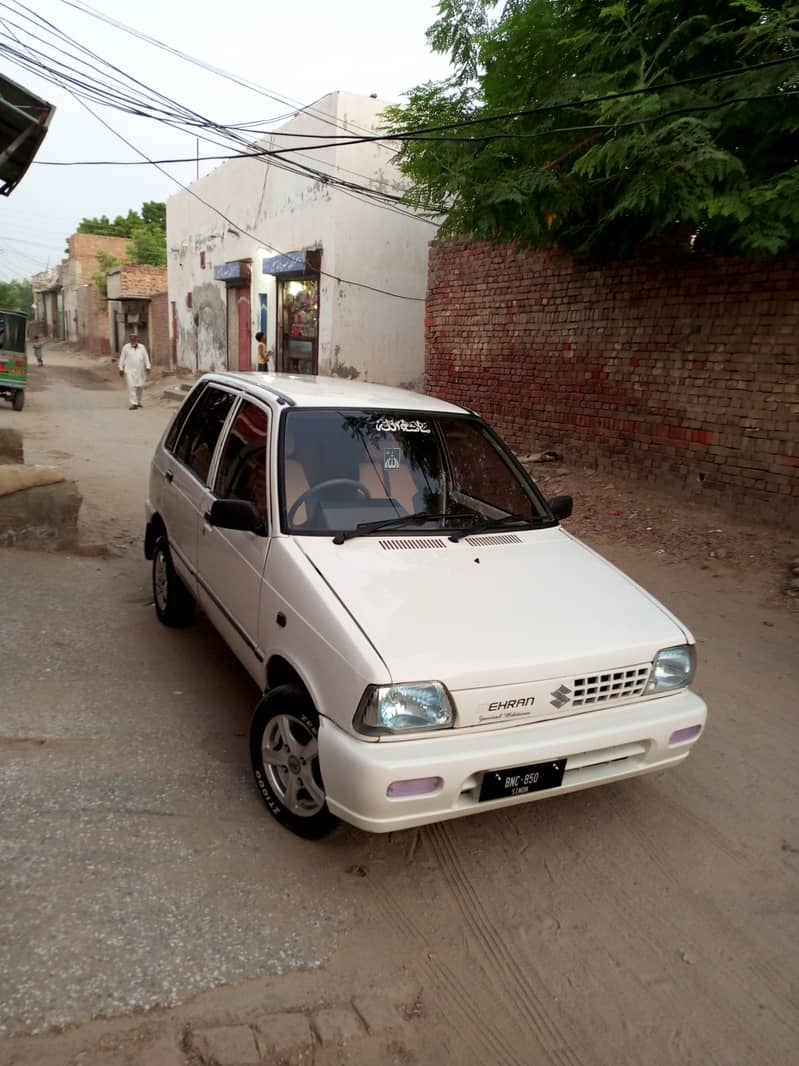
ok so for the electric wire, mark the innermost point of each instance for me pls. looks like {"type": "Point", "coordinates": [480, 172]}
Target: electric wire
{"type": "Point", "coordinates": [242, 229]}
{"type": "Point", "coordinates": [185, 115]}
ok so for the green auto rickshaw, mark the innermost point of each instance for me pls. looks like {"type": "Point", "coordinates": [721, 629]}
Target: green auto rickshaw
{"type": "Point", "coordinates": [13, 362]}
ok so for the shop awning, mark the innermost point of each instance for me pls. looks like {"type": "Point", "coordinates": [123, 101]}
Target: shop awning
{"type": "Point", "coordinates": [291, 263]}
{"type": "Point", "coordinates": [24, 119]}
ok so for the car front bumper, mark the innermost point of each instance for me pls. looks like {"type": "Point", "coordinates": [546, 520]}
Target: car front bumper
{"type": "Point", "coordinates": [598, 746]}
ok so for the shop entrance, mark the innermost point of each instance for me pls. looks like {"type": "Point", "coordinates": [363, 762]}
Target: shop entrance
{"type": "Point", "coordinates": [298, 325]}
{"type": "Point", "coordinates": [297, 276]}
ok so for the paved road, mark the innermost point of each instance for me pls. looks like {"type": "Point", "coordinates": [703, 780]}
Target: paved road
{"type": "Point", "coordinates": [652, 922]}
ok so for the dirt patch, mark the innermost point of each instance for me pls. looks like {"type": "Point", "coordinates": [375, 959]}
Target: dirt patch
{"type": "Point", "coordinates": [671, 526]}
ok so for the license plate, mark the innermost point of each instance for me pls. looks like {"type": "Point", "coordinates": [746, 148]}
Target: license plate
{"type": "Point", "coordinates": [519, 780]}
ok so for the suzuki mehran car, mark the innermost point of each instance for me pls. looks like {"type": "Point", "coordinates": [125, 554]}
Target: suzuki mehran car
{"type": "Point", "coordinates": [430, 641]}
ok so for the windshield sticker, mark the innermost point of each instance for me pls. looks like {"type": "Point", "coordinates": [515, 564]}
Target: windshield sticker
{"type": "Point", "coordinates": [399, 425]}
{"type": "Point", "coordinates": [391, 459]}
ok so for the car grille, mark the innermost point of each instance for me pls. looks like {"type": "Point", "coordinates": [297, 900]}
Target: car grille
{"type": "Point", "coordinates": [613, 685]}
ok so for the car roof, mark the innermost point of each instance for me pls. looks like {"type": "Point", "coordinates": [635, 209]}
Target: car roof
{"type": "Point", "coordinates": [306, 390]}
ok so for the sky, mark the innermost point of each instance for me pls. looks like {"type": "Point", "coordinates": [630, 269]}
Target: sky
{"type": "Point", "coordinates": [297, 51]}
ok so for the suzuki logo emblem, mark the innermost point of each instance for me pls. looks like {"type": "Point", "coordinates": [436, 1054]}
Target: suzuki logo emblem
{"type": "Point", "coordinates": [560, 697]}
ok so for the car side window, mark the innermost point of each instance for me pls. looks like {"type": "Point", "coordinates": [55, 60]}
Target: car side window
{"type": "Point", "coordinates": [242, 466]}
{"type": "Point", "coordinates": [200, 433]}
{"type": "Point", "coordinates": [179, 421]}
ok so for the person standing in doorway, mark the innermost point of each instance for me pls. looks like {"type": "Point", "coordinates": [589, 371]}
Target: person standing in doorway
{"type": "Point", "coordinates": [261, 356]}
{"type": "Point", "coordinates": [134, 363]}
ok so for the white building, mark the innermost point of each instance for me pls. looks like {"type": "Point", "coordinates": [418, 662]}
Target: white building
{"type": "Point", "coordinates": [301, 259]}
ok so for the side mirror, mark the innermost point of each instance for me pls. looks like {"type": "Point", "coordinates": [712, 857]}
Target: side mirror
{"type": "Point", "coordinates": [236, 514]}
{"type": "Point", "coordinates": [561, 507]}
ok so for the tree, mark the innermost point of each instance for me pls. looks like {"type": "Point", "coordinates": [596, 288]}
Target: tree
{"type": "Point", "coordinates": [146, 231]}
{"type": "Point", "coordinates": [552, 154]}
{"type": "Point", "coordinates": [16, 296]}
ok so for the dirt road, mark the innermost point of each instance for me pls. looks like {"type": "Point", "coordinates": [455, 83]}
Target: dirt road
{"type": "Point", "coordinates": [649, 922]}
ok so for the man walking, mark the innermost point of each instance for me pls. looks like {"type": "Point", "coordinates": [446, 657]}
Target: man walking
{"type": "Point", "coordinates": [134, 363]}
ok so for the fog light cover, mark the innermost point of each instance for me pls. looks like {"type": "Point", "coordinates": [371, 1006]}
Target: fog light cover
{"type": "Point", "coordinates": [412, 708]}
{"type": "Point", "coordinates": [417, 786]}
{"type": "Point", "coordinates": [672, 668]}
{"type": "Point", "coordinates": [684, 736]}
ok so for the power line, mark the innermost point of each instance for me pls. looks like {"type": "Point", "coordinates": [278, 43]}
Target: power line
{"type": "Point", "coordinates": [545, 109]}
{"type": "Point", "coordinates": [210, 68]}
{"type": "Point", "coordinates": [519, 135]}
{"type": "Point", "coordinates": [183, 115]}
{"type": "Point", "coordinates": [237, 226]}
{"type": "Point", "coordinates": [21, 240]}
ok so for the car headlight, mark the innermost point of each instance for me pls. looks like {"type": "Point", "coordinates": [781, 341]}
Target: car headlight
{"type": "Point", "coordinates": [412, 708]}
{"type": "Point", "coordinates": [672, 668]}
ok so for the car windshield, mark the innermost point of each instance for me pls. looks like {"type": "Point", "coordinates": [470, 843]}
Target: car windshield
{"type": "Point", "coordinates": [359, 471]}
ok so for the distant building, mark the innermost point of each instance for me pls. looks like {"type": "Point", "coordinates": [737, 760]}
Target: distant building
{"type": "Point", "coordinates": [137, 303]}
{"type": "Point", "coordinates": [291, 273]}
{"type": "Point", "coordinates": [48, 304]}
{"type": "Point", "coordinates": [85, 311]}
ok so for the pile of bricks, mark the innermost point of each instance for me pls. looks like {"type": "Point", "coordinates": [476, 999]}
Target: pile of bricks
{"type": "Point", "coordinates": [677, 370]}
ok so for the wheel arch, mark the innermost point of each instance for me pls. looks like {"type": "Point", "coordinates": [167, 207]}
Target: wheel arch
{"type": "Point", "coordinates": [155, 529]}
{"type": "Point", "coordinates": [279, 671]}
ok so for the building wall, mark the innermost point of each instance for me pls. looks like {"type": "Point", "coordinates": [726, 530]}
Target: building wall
{"type": "Point", "coordinates": [46, 287]}
{"type": "Point", "coordinates": [159, 330]}
{"type": "Point", "coordinates": [361, 333]}
{"type": "Point", "coordinates": [682, 372]}
{"type": "Point", "coordinates": [77, 271]}
{"type": "Point", "coordinates": [92, 320]}
{"type": "Point", "coordinates": [136, 279]}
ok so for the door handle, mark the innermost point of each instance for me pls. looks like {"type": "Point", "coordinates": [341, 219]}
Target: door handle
{"type": "Point", "coordinates": [169, 476]}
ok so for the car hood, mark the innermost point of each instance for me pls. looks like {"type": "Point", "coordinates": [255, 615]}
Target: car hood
{"type": "Point", "coordinates": [491, 611]}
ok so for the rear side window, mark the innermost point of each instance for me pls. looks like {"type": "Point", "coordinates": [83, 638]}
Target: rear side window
{"type": "Point", "coordinates": [242, 466]}
{"type": "Point", "coordinates": [180, 418]}
{"type": "Point", "coordinates": [197, 440]}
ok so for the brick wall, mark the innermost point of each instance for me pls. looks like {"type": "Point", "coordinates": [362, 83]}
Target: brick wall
{"type": "Point", "coordinates": [83, 249]}
{"type": "Point", "coordinates": [142, 279]}
{"type": "Point", "coordinates": [684, 372]}
{"type": "Point", "coordinates": [92, 320]}
{"type": "Point", "coordinates": [159, 330]}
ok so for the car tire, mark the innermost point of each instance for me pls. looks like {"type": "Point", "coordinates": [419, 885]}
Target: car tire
{"type": "Point", "coordinates": [174, 604]}
{"type": "Point", "coordinates": [19, 400]}
{"type": "Point", "coordinates": [285, 760]}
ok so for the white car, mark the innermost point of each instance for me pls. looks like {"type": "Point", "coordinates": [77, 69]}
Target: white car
{"type": "Point", "coordinates": [429, 640]}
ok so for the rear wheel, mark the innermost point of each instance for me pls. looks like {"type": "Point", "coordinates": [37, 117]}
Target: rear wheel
{"type": "Point", "coordinates": [285, 759]}
{"type": "Point", "coordinates": [174, 604]}
{"type": "Point", "coordinates": [19, 399]}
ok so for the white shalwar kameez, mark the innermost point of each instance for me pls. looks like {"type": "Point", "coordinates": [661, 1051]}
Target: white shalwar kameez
{"type": "Point", "coordinates": [133, 362]}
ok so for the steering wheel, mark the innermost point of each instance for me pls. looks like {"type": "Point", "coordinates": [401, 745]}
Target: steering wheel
{"type": "Point", "coordinates": [314, 489]}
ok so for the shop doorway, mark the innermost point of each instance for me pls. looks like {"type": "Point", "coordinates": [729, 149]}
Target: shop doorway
{"type": "Point", "coordinates": [298, 325]}
{"type": "Point", "coordinates": [239, 328]}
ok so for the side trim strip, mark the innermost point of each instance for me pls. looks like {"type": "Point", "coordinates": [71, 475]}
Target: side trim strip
{"type": "Point", "coordinates": [174, 548]}
{"type": "Point", "coordinates": [256, 652]}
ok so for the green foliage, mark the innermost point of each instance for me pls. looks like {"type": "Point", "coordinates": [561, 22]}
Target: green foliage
{"type": "Point", "coordinates": [146, 231]}
{"type": "Point", "coordinates": [16, 296]}
{"type": "Point", "coordinates": [713, 165]}
{"type": "Point", "coordinates": [148, 245]}
{"type": "Point", "coordinates": [105, 262]}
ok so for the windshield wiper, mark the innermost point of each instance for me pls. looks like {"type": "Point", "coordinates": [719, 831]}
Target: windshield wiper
{"type": "Point", "coordinates": [363, 529]}
{"type": "Point", "coordinates": [486, 524]}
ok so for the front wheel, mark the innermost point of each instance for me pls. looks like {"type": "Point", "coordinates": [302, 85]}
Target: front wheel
{"type": "Point", "coordinates": [285, 759]}
{"type": "Point", "coordinates": [174, 604]}
{"type": "Point", "coordinates": [19, 400]}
